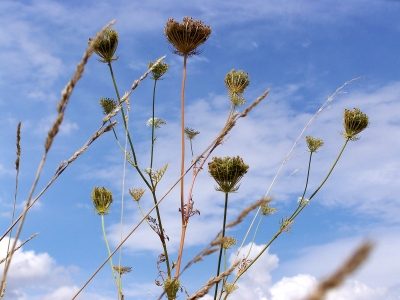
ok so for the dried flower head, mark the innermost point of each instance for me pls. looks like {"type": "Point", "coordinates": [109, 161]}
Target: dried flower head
{"type": "Point", "coordinates": [157, 122]}
{"type": "Point", "coordinates": [237, 82]}
{"type": "Point", "coordinates": [230, 241]}
{"type": "Point", "coordinates": [171, 287]}
{"type": "Point", "coordinates": [190, 133]}
{"type": "Point", "coordinates": [107, 46]}
{"type": "Point", "coordinates": [159, 70]}
{"type": "Point", "coordinates": [137, 193]}
{"type": "Point", "coordinates": [354, 122]}
{"type": "Point", "coordinates": [313, 144]}
{"type": "Point", "coordinates": [102, 199]}
{"type": "Point", "coordinates": [227, 172]}
{"type": "Point", "coordinates": [185, 37]}
{"type": "Point", "coordinates": [122, 270]}
{"type": "Point", "coordinates": [108, 105]}
{"type": "Point", "coordinates": [267, 210]}
{"type": "Point", "coordinates": [230, 288]}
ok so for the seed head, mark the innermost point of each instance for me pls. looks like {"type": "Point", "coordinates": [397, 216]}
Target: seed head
{"type": "Point", "coordinates": [267, 210]}
{"type": "Point", "coordinates": [227, 172]}
{"type": "Point", "coordinates": [158, 70]}
{"type": "Point", "coordinates": [122, 270]}
{"type": "Point", "coordinates": [171, 287]}
{"type": "Point", "coordinates": [108, 105]}
{"type": "Point", "coordinates": [137, 193]}
{"type": "Point", "coordinates": [107, 46]}
{"type": "Point", "coordinates": [157, 122]}
{"type": "Point", "coordinates": [185, 37]}
{"type": "Point", "coordinates": [237, 82]}
{"type": "Point", "coordinates": [313, 143]}
{"type": "Point", "coordinates": [230, 288]}
{"type": "Point", "coordinates": [102, 199]}
{"type": "Point", "coordinates": [190, 133]}
{"type": "Point", "coordinates": [354, 122]}
{"type": "Point", "coordinates": [230, 241]}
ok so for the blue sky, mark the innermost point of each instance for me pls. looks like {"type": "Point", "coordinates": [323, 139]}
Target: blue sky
{"type": "Point", "coordinates": [302, 50]}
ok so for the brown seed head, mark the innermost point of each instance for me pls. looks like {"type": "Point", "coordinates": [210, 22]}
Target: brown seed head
{"type": "Point", "coordinates": [185, 37]}
{"type": "Point", "coordinates": [137, 193]}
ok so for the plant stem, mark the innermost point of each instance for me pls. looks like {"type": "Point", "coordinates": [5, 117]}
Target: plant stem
{"type": "Point", "coordinates": [150, 186]}
{"type": "Point", "coordinates": [220, 251]}
{"type": "Point", "coordinates": [126, 128]}
{"type": "Point", "coordinates": [109, 251]}
{"type": "Point", "coordinates": [183, 137]}
{"type": "Point", "coordinates": [294, 215]}
{"type": "Point", "coordinates": [153, 126]}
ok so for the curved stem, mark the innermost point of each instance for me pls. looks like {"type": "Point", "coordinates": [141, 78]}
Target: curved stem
{"type": "Point", "coordinates": [294, 215]}
{"type": "Point", "coordinates": [220, 251]}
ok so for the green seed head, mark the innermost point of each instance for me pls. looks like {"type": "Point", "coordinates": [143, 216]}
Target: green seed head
{"type": "Point", "coordinates": [237, 82]}
{"type": "Point", "coordinates": [354, 122]}
{"type": "Point", "coordinates": [267, 210]}
{"type": "Point", "coordinates": [107, 46]}
{"type": "Point", "coordinates": [102, 199]}
{"type": "Point", "coordinates": [158, 70]}
{"type": "Point", "coordinates": [108, 105]}
{"type": "Point", "coordinates": [313, 143]}
{"type": "Point", "coordinates": [230, 241]}
{"type": "Point", "coordinates": [171, 287]}
{"type": "Point", "coordinates": [227, 172]}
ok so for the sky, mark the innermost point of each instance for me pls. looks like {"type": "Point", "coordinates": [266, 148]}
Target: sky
{"type": "Point", "coordinates": [301, 49]}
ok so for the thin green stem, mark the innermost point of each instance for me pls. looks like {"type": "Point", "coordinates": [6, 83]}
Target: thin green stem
{"type": "Point", "coordinates": [109, 252]}
{"type": "Point", "coordinates": [149, 185]}
{"type": "Point", "coordinates": [126, 128]}
{"type": "Point", "coordinates": [183, 138]}
{"type": "Point", "coordinates": [220, 251]}
{"type": "Point", "coordinates": [302, 203]}
{"type": "Point", "coordinates": [153, 126]}
{"type": "Point", "coordinates": [294, 215]}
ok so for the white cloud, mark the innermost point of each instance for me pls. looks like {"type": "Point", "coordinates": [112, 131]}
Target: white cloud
{"type": "Point", "coordinates": [29, 269]}
{"type": "Point", "coordinates": [37, 276]}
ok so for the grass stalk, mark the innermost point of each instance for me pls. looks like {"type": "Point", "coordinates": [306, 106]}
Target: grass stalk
{"type": "Point", "coordinates": [62, 105]}
{"type": "Point", "coordinates": [221, 247]}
